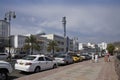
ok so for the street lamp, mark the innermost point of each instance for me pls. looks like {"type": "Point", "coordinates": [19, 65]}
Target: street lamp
{"type": "Point", "coordinates": [65, 37]}
{"type": "Point", "coordinates": [8, 16]}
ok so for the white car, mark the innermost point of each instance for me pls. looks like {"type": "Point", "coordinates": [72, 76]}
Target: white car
{"type": "Point", "coordinates": [35, 63]}
{"type": "Point", "coordinates": [63, 59]}
{"type": "Point", "coordinates": [5, 70]}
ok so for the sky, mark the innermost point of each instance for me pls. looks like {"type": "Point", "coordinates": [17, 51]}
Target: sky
{"type": "Point", "coordinates": [92, 21]}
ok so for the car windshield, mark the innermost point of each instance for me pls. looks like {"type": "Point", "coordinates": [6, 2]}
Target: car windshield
{"type": "Point", "coordinates": [61, 56]}
{"type": "Point", "coordinates": [29, 58]}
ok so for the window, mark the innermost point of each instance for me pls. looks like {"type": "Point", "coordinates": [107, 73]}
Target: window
{"type": "Point", "coordinates": [41, 59]}
{"type": "Point", "coordinates": [62, 43]}
{"type": "Point", "coordinates": [29, 57]}
{"type": "Point", "coordinates": [3, 54]}
{"type": "Point", "coordinates": [48, 59]}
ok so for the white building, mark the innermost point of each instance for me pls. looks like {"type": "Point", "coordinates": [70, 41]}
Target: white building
{"type": "Point", "coordinates": [18, 41]}
{"type": "Point", "coordinates": [43, 42]}
{"type": "Point", "coordinates": [103, 46]}
{"type": "Point", "coordinates": [80, 46]}
{"type": "Point", "coordinates": [64, 44]}
{"type": "Point", "coordinates": [75, 44]}
{"type": "Point", "coordinates": [89, 47]}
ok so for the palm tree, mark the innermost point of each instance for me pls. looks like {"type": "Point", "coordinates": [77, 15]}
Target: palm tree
{"type": "Point", "coordinates": [31, 43]}
{"type": "Point", "coordinates": [52, 46]}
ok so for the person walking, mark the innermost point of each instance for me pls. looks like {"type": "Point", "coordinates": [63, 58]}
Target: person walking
{"type": "Point", "coordinates": [93, 57]}
{"type": "Point", "coordinates": [108, 59]}
{"type": "Point", "coordinates": [105, 58]}
{"type": "Point", "coordinates": [96, 57]}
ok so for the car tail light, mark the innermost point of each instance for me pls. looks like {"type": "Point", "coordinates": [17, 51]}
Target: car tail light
{"type": "Point", "coordinates": [28, 64]}
{"type": "Point", "coordinates": [64, 60]}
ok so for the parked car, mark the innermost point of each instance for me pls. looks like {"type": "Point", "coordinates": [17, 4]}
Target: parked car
{"type": "Point", "coordinates": [64, 59]}
{"type": "Point", "coordinates": [19, 55]}
{"type": "Point", "coordinates": [5, 70]}
{"type": "Point", "coordinates": [35, 63]}
{"type": "Point", "coordinates": [77, 58]}
{"type": "Point", "coordinates": [3, 56]}
{"type": "Point", "coordinates": [86, 57]}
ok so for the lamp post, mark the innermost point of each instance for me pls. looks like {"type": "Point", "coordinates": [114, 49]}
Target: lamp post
{"type": "Point", "coordinates": [65, 38]}
{"type": "Point", "coordinates": [8, 16]}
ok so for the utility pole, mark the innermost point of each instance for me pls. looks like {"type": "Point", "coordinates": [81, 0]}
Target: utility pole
{"type": "Point", "coordinates": [64, 26]}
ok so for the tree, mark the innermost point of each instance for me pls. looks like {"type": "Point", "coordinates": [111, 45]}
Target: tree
{"type": "Point", "coordinates": [110, 48]}
{"type": "Point", "coordinates": [32, 43]}
{"type": "Point", "coordinates": [52, 46]}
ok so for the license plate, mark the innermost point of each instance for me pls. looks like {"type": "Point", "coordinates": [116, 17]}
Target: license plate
{"type": "Point", "coordinates": [21, 63]}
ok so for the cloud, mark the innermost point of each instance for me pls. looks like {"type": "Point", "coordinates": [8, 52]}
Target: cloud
{"type": "Point", "coordinates": [92, 22]}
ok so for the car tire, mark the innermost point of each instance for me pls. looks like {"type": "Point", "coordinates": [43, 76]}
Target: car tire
{"type": "Point", "coordinates": [3, 75]}
{"type": "Point", "coordinates": [54, 66]}
{"type": "Point", "coordinates": [67, 63]}
{"type": "Point", "coordinates": [37, 69]}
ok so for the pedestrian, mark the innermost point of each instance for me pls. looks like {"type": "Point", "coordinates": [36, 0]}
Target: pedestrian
{"type": "Point", "coordinates": [93, 57]}
{"type": "Point", "coordinates": [105, 58]}
{"type": "Point", "coordinates": [108, 57]}
{"type": "Point", "coordinates": [96, 57]}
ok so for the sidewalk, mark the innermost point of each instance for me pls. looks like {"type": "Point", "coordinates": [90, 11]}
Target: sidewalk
{"type": "Point", "coordinates": [108, 71]}
{"type": "Point", "coordinates": [85, 70]}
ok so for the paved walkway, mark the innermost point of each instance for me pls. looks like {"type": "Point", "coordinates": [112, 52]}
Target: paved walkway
{"type": "Point", "coordinates": [85, 70]}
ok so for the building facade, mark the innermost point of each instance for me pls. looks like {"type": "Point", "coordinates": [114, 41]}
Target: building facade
{"type": "Point", "coordinates": [4, 27]}
{"type": "Point", "coordinates": [64, 44]}
{"type": "Point", "coordinates": [103, 46]}
{"type": "Point", "coordinates": [18, 41]}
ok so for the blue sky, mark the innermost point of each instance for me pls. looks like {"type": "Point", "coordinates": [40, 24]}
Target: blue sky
{"type": "Point", "coordinates": [89, 20]}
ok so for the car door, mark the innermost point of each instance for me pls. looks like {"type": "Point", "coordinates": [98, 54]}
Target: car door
{"type": "Point", "coordinates": [49, 63]}
{"type": "Point", "coordinates": [70, 60]}
{"type": "Point", "coordinates": [42, 63]}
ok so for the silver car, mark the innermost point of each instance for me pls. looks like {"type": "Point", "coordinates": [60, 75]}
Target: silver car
{"type": "Point", "coordinates": [64, 59]}
{"type": "Point", "coordinates": [3, 56]}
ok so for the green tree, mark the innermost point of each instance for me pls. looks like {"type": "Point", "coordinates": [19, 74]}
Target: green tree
{"type": "Point", "coordinates": [32, 43]}
{"type": "Point", "coordinates": [110, 48]}
{"type": "Point", "coordinates": [52, 46]}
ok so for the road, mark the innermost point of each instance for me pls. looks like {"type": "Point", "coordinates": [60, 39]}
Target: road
{"type": "Point", "coordinates": [85, 70]}
{"type": "Point", "coordinates": [17, 74]}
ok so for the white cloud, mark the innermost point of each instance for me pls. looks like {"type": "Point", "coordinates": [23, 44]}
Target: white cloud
{"type": "Point", "coordinates": [23, 30]}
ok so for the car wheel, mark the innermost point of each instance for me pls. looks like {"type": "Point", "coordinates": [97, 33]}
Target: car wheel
{"type": "Point", "coordinates": [37, 69]}
{"type": "Point", "coordinates": [54, 66]}
{"type": "Point", "coordinates": [3, 75]}
{"type": "Point", "coordinates": [67, 63]}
